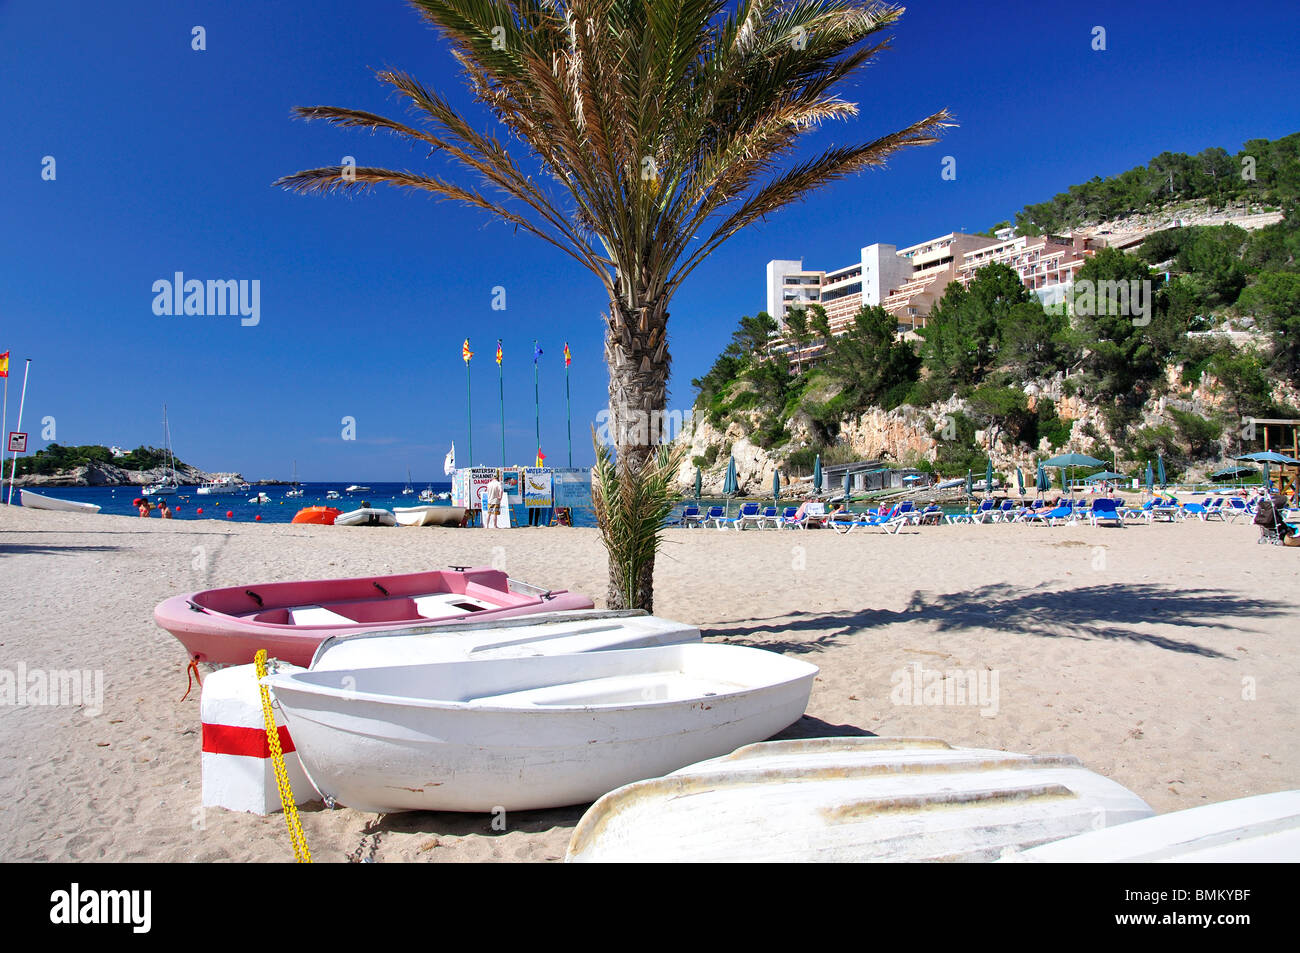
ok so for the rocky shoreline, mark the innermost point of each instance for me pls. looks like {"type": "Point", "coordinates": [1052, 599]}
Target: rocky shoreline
{"type": "Point", "coordinates": [108, 474]}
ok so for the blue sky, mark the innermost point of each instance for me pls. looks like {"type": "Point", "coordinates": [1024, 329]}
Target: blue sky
{"type": "Point", "coordinates": [164, 158]}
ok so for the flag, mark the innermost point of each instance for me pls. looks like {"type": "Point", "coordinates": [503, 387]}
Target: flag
{"type": "Point", "coordinates": [537, 352]}
{"type": "Point", "coordinates": [498, 352]}
{"type": "Point", "coordinates": [4, 364]}
{"type": "Point", "coordinates": [567, 356]}
{"type": "Point", "coordinates": [465, 352]}
{"type": "Point", "coordinates": [541, 459]}
{"type": "Point", "coordinates": [449, 465]}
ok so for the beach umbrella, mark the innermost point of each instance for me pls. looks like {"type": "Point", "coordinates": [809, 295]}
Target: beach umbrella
{"type": "Point", "coordinates": [1040, 481]}
{"type": "Point", "coordinates": [1020, 481]}
{"type": "Point", "coordinates": [817, 474]}
{"type": "Point", "coordinates": [729, 483]}
{"type": "Point", "coordinates": [699, 484]}
{"type": "Point", "coordinates": [970, 485]}
{"type": "Point", "coordinates": [1151, 480]}
{"type": "Point", "coordinates": [1072, 460]}
{"type": "Point", "coordinates": [1160, 468]}
{"type": "Point", "coordinates": [1104, 475]}
{"type": "Point", "coordinates": [776, 487]}
{"type": "Point", "coordinates": [988, 478]}
{"type": "Point", "coordinates": [847, 480]}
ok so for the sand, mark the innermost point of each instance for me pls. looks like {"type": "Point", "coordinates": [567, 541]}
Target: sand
{"type": "Point", "coordinates": [1163, 656]}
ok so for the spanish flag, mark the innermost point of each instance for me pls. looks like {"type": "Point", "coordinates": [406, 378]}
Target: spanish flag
{"type": "Point", "coordinates": [465, 352]}
{"type": "Point", "coordinates": [4, 364]}
{"type": "Point", "coordinates": [498, 352]}
{"type": "Point", "coordinates": [567, 356]}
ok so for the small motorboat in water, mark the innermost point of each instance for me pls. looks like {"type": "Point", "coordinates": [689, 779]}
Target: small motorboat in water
{"type": "Point", "coordinates": [37, 501]}
{"type": "Point", "coordinates": [333, 495]}
{"type": "Point", "coordinates": [260, 498]}
{"type": "Point", "coordinates": [366, 516]}
{"type": "Point", "coordinates": [290, 619]}
{"type": "Point", "coordinates": [534, 732]}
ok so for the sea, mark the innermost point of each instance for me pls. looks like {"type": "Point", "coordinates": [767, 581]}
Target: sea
{"type": "Point", "coordinates": [187, 503]}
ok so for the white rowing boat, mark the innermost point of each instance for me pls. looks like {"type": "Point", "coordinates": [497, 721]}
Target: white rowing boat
{"type": "Point", "coordinates": [852, 799]}
{"type": "Point", "coordinates": [37, 501]}
{"type": "Point", "coordinates": [1261, 829]}
{"type": "Point", "coordinates": [552, 633]}
{"type": "Point", "coordinates": [429, 515]}
{"type": "Point", "coordinates": [525, 733]}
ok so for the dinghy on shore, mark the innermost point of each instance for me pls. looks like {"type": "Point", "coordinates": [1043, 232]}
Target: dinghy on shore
{"type": "Point", "coordinates": [1260, 829]}
{"type": "Point", "coordinates": [429, 515]}
{"type": "Point", "coordinates": [527, 733]}
{"type": "Point", "coordinates": [549, 633]}
{"type": "Point", "coordinates": [852, 799]}
{"type": "Point", "coordinates": [290, 619]}
{"type": "Point", "coordinates": [36, 501]}
{"type": "Point", "coordinates": [366, 516]}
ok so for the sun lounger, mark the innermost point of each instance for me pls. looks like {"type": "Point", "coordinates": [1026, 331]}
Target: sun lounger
{"type": "Point", "coordinates": [748, 516]}
{"type": "Point", "coordinates": [717, 515]}
{"type": "Point", "coordinates": [985, 513]}
{"type": "Point", "coordinates": [1105, 512]}
{"type": "Point", "coordinates": [691, 517]}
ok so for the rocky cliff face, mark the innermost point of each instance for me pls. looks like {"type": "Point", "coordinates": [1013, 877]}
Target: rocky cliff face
{"type": "Point", "coordinates": [108, 474]}
{"type": "Point", "coordinates": [907, 435]}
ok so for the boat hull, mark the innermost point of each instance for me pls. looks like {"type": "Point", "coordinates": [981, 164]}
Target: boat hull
{"type": "Point", "coordinates": [852, 800]}
{"type": "Point", "coordinates": [324, 515]}
{"type": "Point", "coordinates": [36, 501]}
{"type": "Point", "coordinates": [550, 633]}
{"type": "Point", "coordinates": [531, 733]}
{"type": "Point", "coordinates": [227, 626]}
{"type": "Point", "coordinates": [429, 515]}
{"type": "Point", "coordinates": [366, 517]}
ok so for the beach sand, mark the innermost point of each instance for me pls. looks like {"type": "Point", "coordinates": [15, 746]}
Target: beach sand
{"type": "Point", "coordinates": [1162, 656]}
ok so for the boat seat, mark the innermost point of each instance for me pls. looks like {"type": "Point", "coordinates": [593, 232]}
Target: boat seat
{"type": "Point", "coordinates": [443, 604]}
{"type": "Point", "coordinates": [317, 615]}
{"type": "Point", "coordinates": [613, 690]}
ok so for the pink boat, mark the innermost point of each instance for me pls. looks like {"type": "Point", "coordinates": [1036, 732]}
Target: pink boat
{"type": "Point", "coordinates": [290, 619]}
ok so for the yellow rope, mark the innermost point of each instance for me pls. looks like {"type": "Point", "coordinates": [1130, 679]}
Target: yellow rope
{"type": "Point", "coordinates": [300, 851]}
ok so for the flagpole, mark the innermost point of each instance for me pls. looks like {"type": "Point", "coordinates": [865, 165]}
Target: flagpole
{"type": "Point", "coordinates": [501, 390]}
{"type": "Point", "coordinates": [4, 426]}
{"type": "Point", "coordinates": [14, 466]}
{"type": "Point", "coordinates": [469, 417]}
{"type": "Point", "coordinates": [537, 401]}
{"type": "Point", "coordinates": [568, 410]}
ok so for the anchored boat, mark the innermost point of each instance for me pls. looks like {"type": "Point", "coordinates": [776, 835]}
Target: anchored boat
{"type": "Point", "coordinates": [290, 619]}
{"type": "Point", "coordinates": [528, 733]}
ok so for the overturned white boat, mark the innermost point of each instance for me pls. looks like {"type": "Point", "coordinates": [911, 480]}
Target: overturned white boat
{"type": "Point", "coordinates": [1261, 829]}
{"type": "Point", "coordinates": [526, 733]}
{"type": "Point", "coordinates": [429, 515]}
{"type": "Point", "coordinates": [852, 799]}
{"type": "Point", "coordinates": [366, 516]}
{"type": "Point", "coordinates": [36, 501]}
{"type": "Point", "coordinates": [551, 633]}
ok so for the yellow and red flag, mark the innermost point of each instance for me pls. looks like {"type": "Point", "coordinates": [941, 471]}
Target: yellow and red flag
{"type": "Point", "coordinates": [465, 352]}
{"type": "Point", "coordinates": [567, 356]}
{"type": "Point", "coordinates": [541, 459]}
{"type": "Point", "coordinates": [4, 364]}
{"type": "Point", "coordinates": [498, 352]}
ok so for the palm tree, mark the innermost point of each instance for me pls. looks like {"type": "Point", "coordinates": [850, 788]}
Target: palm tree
{"type": "Point", "coordinates": [649, 132]}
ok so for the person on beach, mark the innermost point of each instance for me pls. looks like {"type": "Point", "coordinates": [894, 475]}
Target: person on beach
{"type": "Point", "coordinates": [144, 508]}
{"type": "Point", "coordinates": [494, 490]}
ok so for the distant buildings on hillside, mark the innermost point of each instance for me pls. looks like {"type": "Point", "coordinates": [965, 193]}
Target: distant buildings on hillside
{"type": "Point", "coordinates": [908, 282]}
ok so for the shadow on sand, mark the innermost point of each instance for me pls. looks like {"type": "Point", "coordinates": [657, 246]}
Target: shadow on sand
{"type": "Point", "coordinates": [1124, 612]}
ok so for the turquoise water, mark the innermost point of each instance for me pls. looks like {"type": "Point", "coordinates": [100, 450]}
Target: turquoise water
{"type": "Point", "coordinates": [187, 503]}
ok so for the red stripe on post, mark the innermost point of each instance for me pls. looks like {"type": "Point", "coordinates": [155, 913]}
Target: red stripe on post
{"type": "Point", "coordinates": [246, 742]}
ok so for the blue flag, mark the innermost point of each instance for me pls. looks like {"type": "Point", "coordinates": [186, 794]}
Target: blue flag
{"type": "Point", "coordinates": [537, 352]}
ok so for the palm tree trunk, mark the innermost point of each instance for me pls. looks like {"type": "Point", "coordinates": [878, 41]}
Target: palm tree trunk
{"type": "Point", "coordinates": [636, 350]}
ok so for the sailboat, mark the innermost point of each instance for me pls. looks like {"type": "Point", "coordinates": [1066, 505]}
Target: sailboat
{"type": "Point", "coordinates": [408, 491]}
{"type": "Point", "coordinates": [296, 491]}
{"type": "Point", "coordinates": [166, 487]}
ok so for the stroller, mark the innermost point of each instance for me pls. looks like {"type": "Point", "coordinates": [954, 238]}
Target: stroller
{"type": "Point", "coordinates": [1272, 528]}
